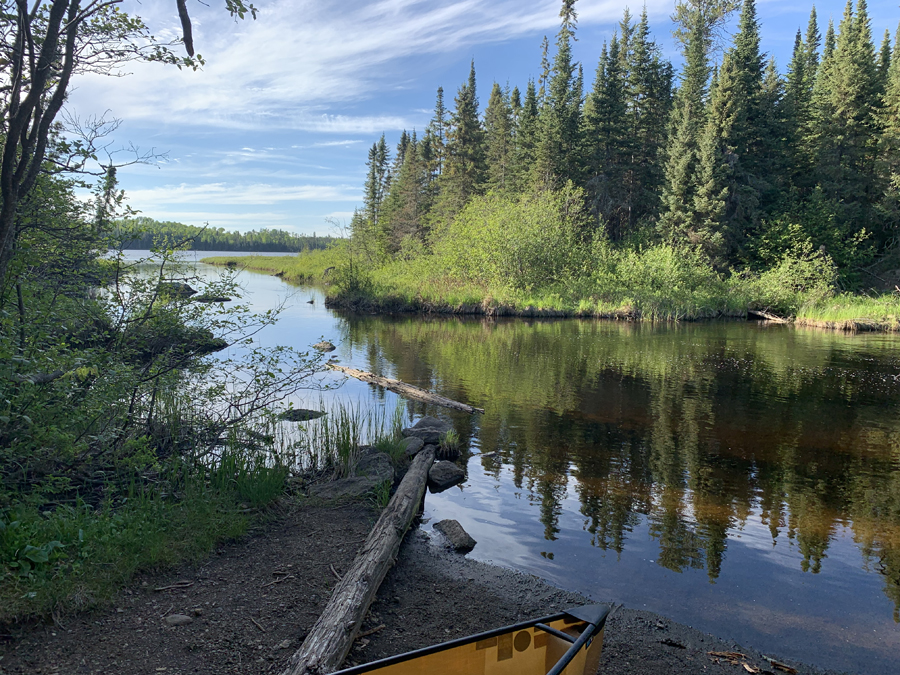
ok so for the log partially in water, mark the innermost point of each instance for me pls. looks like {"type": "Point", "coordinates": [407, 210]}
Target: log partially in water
{"type": "Point", "coordinates": [406, 390]}
{"type": "Point", "coordinates": [330, 639]}
{"type": "Point", "coordinates": [766, 316]}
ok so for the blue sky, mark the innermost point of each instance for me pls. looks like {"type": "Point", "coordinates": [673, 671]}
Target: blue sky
{"type": "Point", "coordinates": [275, 129]}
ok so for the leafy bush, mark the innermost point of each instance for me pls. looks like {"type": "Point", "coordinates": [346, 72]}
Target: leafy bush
{"type": "Point", "coordinates": [523, 243]}
{"type": "Point", "coordinates": [803, 276]}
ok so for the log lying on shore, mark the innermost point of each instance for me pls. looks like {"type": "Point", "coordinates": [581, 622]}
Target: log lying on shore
{"type": "Point", "coordinates": [406, 390]}
{"type": "Point", "coordinates": [767, 316]}
{"type": "Point", "coordinates": [330, 639]}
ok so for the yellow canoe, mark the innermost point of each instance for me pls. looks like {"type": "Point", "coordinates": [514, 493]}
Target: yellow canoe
{"type": "Point", "coordinates": [568, 643]}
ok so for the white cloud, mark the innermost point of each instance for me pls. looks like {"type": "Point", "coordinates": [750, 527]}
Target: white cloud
{"type": "Point", "coordinates": [303, 57]}
{"type": "Point", "coordinates": [231, 194]}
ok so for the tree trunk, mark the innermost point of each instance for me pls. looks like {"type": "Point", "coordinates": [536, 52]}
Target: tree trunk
{"type": "Point", "coordinates": [330, 639]}
{"type": "Point", "coordinates": [406, 390]}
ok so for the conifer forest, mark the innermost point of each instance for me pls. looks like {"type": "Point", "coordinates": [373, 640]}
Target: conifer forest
{"type": "Point", "coordinates": [783, 183]}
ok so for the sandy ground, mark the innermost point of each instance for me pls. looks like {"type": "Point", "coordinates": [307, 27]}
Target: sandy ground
{"type": "Point", "coordinates": [251, 604]}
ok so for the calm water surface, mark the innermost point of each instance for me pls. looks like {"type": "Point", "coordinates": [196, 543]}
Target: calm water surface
{"type": "Point", "coordinates": [744, 479]}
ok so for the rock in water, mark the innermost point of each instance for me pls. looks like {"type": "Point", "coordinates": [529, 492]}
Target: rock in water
{"type": "Point", "coordinates": [413, 445]}
{"type": "Point", "coordinates": [177, 289]}
{"type": "Point", "coordinates": [456, 535]}
{"type": "Point", "coordinates": [443, 475]}
{"type": "Point", "coordinates": [300, 415]}
{"type": "Point", "coordinates": [429, 429]}
{"type": "Point", "coordinates": [324, 346]}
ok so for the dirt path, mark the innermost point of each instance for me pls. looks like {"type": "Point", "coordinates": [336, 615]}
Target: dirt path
{"type": "Point", "coordinates": [251, 604]}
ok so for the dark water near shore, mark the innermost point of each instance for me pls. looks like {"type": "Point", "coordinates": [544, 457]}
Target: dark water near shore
{"type": "Point", "coordinates": [741, 478]}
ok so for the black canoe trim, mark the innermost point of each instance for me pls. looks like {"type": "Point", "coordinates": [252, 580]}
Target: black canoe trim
{"type": "Point", "coordinates": [593, 615]}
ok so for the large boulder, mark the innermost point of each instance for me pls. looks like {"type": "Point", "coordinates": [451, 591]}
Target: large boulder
{"type": "Point", "coordinates": [459, 539]}
{"type": "Point", "coordinates": [443, 475]}
{"type": "Point", "coordinates": [429, 429]}
{"type": "Point", "coordinates": [345, 489]}
{"type": "Point", "coordinates": [375, 465]}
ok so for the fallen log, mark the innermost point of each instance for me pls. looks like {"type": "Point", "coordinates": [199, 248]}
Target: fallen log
{"type": "Point", "coordinates": [767, 316]}
{"type": "Point", "coordinates": [329, 641]}
{"type": "Point", "coordinates": [406, 390]}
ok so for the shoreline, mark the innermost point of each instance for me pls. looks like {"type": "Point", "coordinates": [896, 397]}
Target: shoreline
{"type": "Point", "coordinates": [488, 307]}
{"type": "Point", "coordinates": [250, 604]}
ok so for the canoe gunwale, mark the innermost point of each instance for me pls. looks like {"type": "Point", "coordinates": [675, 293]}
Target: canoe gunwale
{"type": "Point", "coordinates": [593, 615]}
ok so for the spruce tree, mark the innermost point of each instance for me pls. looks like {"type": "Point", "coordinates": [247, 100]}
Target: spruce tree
{"type": "Point", "coordinates": [798, 99]}
{"type": "Point", "coordinates": [688, 116]}
{"type": "Point", "coordinates": [526, 135]}
{"type": "Point", "coordinates": [649, 102]}
{"type": "Point", "coordinates": [464, 170]}
{"type": "Point", "coordinates": [378, 178]}
{"type": "Point", "coordinates": [847, 103]}
{"type": "Point", "coordinates": [884, 61]}
{"type": "Point", "coordinates": [889, 146]}
{"type": "Point", "coordinates": [560, 115]}
{"type": "Point", "coordinates": [436, 136]}
{"type": "Point", "coordinates": [607, 143]}
{"type": "Point", "coordinates": [407, 203]}
{"type": "Point", "coordinates": [498, 132]}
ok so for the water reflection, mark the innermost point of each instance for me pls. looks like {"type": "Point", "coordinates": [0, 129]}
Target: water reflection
{"type": "Point", "coordinates": [692, 434]}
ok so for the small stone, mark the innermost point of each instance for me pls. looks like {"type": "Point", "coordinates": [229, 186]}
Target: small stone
{"type": "Point", "coordinates": [178, 619]}
{"type": "Point", "coordinates": [324, 346]}
{"type": "Point", "coordinates": [459, 539]}
{"type": "Point", "coordinates": [284, 644]}
{"type": "Point", "coordinates": [413, 445]}
{"type": "Point", "coordinates": [197, 611]}
{"type": "Point", "coordinates": [443, 475]}
{"type": "Point", "coordinates": [429, 429]}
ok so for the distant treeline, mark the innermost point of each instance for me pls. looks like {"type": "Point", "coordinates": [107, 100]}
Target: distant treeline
{"type": "Point", "coordinates": [145, 233]}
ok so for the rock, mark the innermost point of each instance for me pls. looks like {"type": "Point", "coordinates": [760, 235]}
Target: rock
{"type": "Point", "coordinates": [211, 298]}
{"type": "Point", "coordinates": [429, 429]}
{"type": "Point", "coordinates": [345, 488]}
{"type": "Point", "coordinates": [443, 475]}
{"type": "Point", "coordinates": [413, 446]}
{"type": "Point", "coordinates": [178, 619]}
{"type": "Point", "coordinates": [324, 346]}
{"type": "Point", "coordinates": [459, 539]}
{"type": "Point", "coordinates": [300, 415]}
{"type": "Point", "coordinates": [375, 465]}
{"type": "Point", "coordinates": [177, 289]}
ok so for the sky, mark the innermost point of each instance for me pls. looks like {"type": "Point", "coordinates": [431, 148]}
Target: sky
{"type": "Point", "coordinates": [274, 131]}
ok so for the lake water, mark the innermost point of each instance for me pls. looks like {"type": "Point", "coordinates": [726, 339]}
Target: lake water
{"type": "Point", "coordinates": [738, 477]}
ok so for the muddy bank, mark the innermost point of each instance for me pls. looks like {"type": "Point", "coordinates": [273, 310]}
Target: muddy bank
{"type": "Point", "coordinates": [249, 606]}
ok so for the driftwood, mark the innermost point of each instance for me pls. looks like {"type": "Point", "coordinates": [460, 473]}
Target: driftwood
{"type": "Point", "coordinates": [329, 641]}
{"type": "Point", "coordinates": [767, 316]}
{"type": "Point", "coordinates": [406, 390]}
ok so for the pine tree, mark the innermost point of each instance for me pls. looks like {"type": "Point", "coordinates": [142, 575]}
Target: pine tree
{"type": "Point", "coordinates": [464, 170]}
{"type": "Point", "coordinates": [889, 146]}
{"type": "Point", "coordinates": [526, 135]}
{"type": "Point", "coordinates": [798, 99]}
{"type": "Point", "coordinates": [406, 206]}
{"type": "Point", "coordinates": [498, 131]}
{"type": "Point", "coordinates": [607, 143]}
{"type": "Point", "coordinates": [688, 116]}
{"type": "Point", "coordinates": [884, 61]}
{"type": "Point", "coordinates": [649, 101]}
{"type": "Point", "coordinates": [560, 115]}
{"type": "Point", "coordinates": [723, 196]}
{"type": "Point", "coordinates": [847, 103]}
{"type": "Point", "coordinates": [378, 178]}
{"type": "Point", "coordinates": [436, 136]}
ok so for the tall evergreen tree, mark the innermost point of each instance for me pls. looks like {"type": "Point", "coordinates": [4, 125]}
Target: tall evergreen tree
{"type": "Point", "coordinates": [649, 102]}
{"type": "Point", "coordinates": [499, 140]}
{"type": "Point", "coordinates": [560, 116]}
{"type": "Point", "coordinates": [798, 97]}
{"type": "Point", "coordinates": [378, 177]}
{"type": "Point", "coordinates": [688, 116]}
{"type": "Point", "coordinates": [465, 168]}
{"type": "Point", "coordinates": [526, 135]}
{"type": "Point", "coordinates": [607, 142]}
{"type": "Point", "coordinates": [436, 136]}
{"type": "Point", "coordinates": [407, 203]}
{"type": "Point", "coordinates": [889, 148]}
{"type": "Point", "coordinates": [846, 106]}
